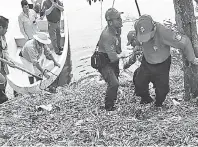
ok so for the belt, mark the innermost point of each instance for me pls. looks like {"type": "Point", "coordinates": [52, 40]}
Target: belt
{"type": "Point", "coordinates": [54, 22]}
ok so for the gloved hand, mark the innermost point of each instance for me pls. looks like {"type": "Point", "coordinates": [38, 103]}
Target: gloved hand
{"type": "Point", "coordinates": [126, 65]}
{"type": "Point", "coordinates": [11, 64]}
{"type": "Point", "coordinates": [131, 61]}
{"type": "Point", "coordinates": [57, 64]}
{"type": "Point", "coordinates": [133, 58]}
{"type": "Point", "coordinates": [195, 61]}
{"type": "Point", "coordinates": [46, 75]}
{"type": "Point", "coordinates": [121, 56]}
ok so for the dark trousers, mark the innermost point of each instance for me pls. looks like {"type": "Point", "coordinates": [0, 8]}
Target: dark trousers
{"type": "Point", "coordinates": [3, 97]}
{"type": "Point", "coordinates": [158, 74]}
{"type": "Point", "coordinates": [2, 90]}
{"type": "Point", "coordinates": [110, 74]}
{"type": "Point", "coordinates": [55, 36]}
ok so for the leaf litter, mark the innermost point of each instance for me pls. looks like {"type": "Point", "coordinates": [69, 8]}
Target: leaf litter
{"type": "Point", "coordinates": [75, 117]}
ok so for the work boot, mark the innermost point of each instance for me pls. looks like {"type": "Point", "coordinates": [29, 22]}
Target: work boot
{"type": "Point", "coordinates": [31, 80]}
{"type": "Point", "coordinates": [60, 48]}
{"type": "Point", "coordinates": [52, 89]}
{"type": "Point", "coordinates": [146, 100]}
{"type": "Point", "coordinates": [16, 94]}
{"type": "Point", "coordinates": [3, 97]}
{"type": "Point", "coordinates": [59, 53]}
{"type": "Point", "coordinates": [158, 104]}
{"type": "Point", "coordinates": [111, 108]}
{"type": "Point", "coordinates": [159, 100]}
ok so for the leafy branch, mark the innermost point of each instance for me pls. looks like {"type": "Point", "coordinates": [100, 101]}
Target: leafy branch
{"type": "Point", "coordinates": [89, 1]}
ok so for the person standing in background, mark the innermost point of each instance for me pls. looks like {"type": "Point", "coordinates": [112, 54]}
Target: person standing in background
{"type": "Point", "coordinates": [27, 21]}
{"type": "Point", "coordinates": [37, 5]}
{"type": "Point", "coordinates": [52, 9]}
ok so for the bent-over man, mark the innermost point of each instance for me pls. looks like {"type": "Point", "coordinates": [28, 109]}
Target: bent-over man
{"type": "Point", "coordinates": [33, 51]}
{"type": "Point", "coordinates": [156, 41]}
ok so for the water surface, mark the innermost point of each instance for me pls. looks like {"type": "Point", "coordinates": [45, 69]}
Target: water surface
{"type": "Point", "coordinates": [86, 23]}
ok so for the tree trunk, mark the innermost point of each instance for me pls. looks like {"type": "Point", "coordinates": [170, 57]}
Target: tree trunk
{"type": "Point", "coordinates": [186, 23]}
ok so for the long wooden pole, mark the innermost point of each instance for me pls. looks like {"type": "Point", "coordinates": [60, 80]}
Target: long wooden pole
{"type": "Point", "coordinates": [113, 3]}
{"type": "Point", "coordinates": [137, 7]}
{"type": "Point", "coordinates": [20, 68]}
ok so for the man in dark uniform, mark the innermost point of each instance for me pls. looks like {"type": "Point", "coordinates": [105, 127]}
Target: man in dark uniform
{"type": "Point", "coordinates": [132, 39]}
{"type": "Point", "coordinates": [156, 41]}
{"type": "Point", "coordinates": [110, 46]}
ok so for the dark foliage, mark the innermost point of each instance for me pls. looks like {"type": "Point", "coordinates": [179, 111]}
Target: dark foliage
{"type": "Point", "coordinates": [89, 1]}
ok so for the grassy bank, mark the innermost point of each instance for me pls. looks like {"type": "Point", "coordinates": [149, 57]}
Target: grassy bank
{"type": "Point", "coordinates": [75, 118]}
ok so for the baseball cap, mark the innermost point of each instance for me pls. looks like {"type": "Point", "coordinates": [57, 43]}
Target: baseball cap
{"type": "Point", "coordinates": [144, 28]}
{"type": "Point", "coordinates": [131, 36]}
{"type": "Point", "coordinates": [3, 21]}
{"type": "Point", "coordinates": [112, 13]}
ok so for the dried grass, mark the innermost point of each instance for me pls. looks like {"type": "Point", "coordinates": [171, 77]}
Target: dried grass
{"type": "Point", "coordinates": [76, 119]}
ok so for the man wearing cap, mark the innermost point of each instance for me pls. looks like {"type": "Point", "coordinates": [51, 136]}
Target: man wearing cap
{"type": "Point", "coordinates": [137, 50]}
{"type": "Point", "coordinates": [110, 46]}
{"type": "Point", "coordinates": [156, 41]}
{"type": "Point", "coordinates": [31, 53]}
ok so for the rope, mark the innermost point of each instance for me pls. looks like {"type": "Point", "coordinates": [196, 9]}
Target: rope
{"type": "Point", "coordinates": [101, 14]}
{"type": "Point", "coordinates": [113, 3]}
{"type": "Point", "coordinates": [138, 8]}
{"type": "Point", "coordinates": [122, 59]}
{"type": "Point", "coordinates": [57, 78]}
{"type": "Point", "coordinates": [124, 70]}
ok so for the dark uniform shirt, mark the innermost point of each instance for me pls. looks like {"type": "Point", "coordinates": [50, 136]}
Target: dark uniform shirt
{"type": "Point", "coordinates": [110, 43]}
{"type": "Point", "coordinates": [157, 49]}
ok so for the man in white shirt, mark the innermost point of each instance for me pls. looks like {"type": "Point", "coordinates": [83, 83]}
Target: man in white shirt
{"type": "Point", "coordinates": [27, 21]}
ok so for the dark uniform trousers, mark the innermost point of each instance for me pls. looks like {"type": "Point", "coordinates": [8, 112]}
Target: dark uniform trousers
{"type": "Point", "coordinates": [55, 35]}
{"type": "Point", "coordinates": [3, 97]}
{"type": "Point", "coordinates": [110, 74]}
{"type": "Point", "coordinates": [158, 74]}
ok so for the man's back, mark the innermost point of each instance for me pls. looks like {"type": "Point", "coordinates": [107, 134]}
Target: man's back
{"type": "Point", "coordinates": [29, 51]}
